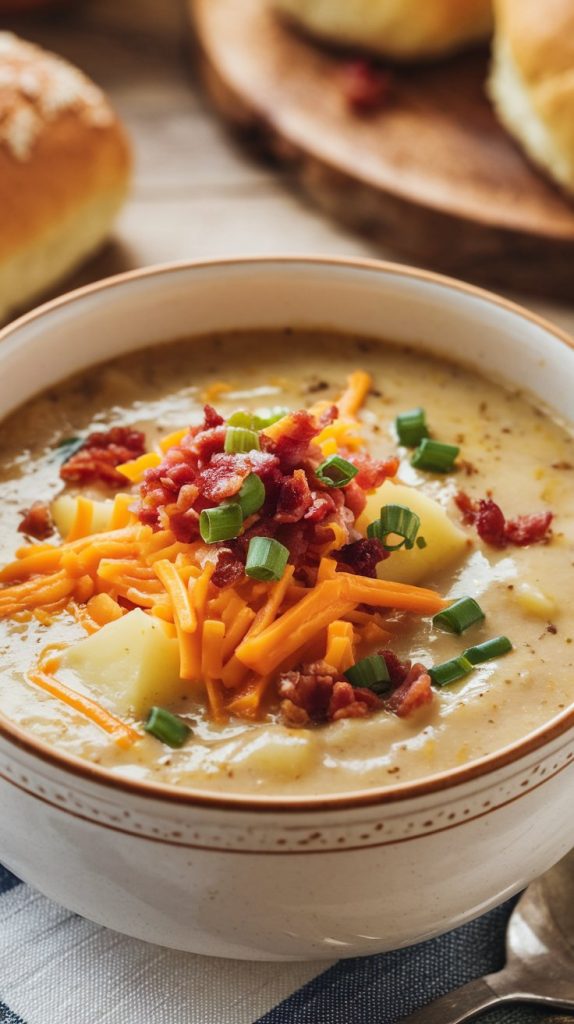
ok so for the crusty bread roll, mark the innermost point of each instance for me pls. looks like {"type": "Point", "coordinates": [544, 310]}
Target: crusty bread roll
{"type": "Point", "coordinates": [401, 29]}
{"type": "Point", "coordinates": [532, 80]}
{"type": "Point", "coordinates": [64, 170]}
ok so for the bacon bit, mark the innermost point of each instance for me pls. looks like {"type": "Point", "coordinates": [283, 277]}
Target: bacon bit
{"type": "Point", "coordinates": [372, 472]}
{"type": "Point", "coordinates": [229, 568]}
{"type": "Point", "coordinates": [322, 506]}
{"type": "Point", "coordinates": [366, 87]}
{"type": "Point", "coordinates": [494, 529]}
{"type": "Point", "coordinates": [37, 521]}
{"type": "Point", "coordinates": [100, 453]}
{"type": "Point", "coordinates": [291, 446]}
{"type": "Point", "coordinates": [317, 694]}
{"type": "Point", "coordinates": [355, 498]}
{"type": "Point", "coordinates": [529, 529]}
{"type": "Point", "coordinates": [294, 498]}
{"type": "Point", "coordinates": [413, 693]}
{"type": "Point", "coordinates": [226, 473]}
{"type": "Point", "coordinates": [397, 669]}
{"type": "Point", "coordinates": [362, 556]}
{"type": "Point", "coordinates": [328, 416]}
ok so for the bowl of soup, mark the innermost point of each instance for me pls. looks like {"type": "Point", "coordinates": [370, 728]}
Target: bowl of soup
{"type": "Point", "coordinates": [286, 636]}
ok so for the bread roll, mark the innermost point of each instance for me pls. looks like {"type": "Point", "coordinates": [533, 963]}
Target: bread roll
{"type": "Point", "coordinates": [64, 170]}
{"type": "Point", "coordinates": [532, 80]}
{"type": "Point", "coordinates": [401, 29]}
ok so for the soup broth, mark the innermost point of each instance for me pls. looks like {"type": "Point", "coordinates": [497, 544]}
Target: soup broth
{"type": "Point", "coordinates": [511, 453]}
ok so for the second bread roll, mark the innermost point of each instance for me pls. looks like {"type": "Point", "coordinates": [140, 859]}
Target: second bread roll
{"type": "Point", "coordinates": [401, 29]}
{"type": "Point", "coordinates": [532, 80]}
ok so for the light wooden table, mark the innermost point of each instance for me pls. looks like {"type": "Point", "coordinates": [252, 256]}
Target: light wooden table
{"type": "Point", "coordinates": [196, 193]}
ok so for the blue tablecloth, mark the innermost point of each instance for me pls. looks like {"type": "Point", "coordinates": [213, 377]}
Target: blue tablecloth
{"type": "Point", "coordinates": [57, 968]}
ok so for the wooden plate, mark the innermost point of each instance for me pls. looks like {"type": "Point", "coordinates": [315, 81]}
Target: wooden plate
{"type": "Point", "coordinates": [431, 174]}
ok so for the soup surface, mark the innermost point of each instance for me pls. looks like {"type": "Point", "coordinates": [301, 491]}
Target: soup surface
{"type": "Point", "coordinates": [278, 741]}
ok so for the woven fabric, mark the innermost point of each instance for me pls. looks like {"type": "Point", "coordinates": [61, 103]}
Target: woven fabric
{"type": "Point", "coordinates": [57, 968]}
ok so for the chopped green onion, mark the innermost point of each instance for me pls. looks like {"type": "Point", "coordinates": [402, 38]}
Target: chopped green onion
{"type": "Point", "coordinates": [435, 456]}
{"type": "Point", "coordinates": [489, 649]}
{"type": "Point", "coordinates": [252, 495]}
{"type": "Point", "coordinates": [371, 672]}
{"type": "Point", "coordinates": [459, 616]}
{"type": "Point", "coordinates": [67, 447]}
{"type": "Point", "coordinates": [399, 521]}
{"type": "Point", "coordinates": [421, 543]}
{"type": "Point", "coordinates": [265, 417]}
{"type": "Point", "coordinates": [220, 523]}
{"type": "Point", "coordinates": [336, 472]}
{"type": "Point", "coordinates": [451, 671]}
{"type": "Point", "coordinates": [241, 418]}
{"type": "Point", "coordinates": [240, 439]}
{"type": "Point", "coordinates": [411, 427]}
{"type": "Point", "coordinates": [166, 727]}
{"type": "Point", "coordinates": [266, 559]}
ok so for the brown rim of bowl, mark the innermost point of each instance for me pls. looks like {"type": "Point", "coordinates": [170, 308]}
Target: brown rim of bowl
{"type": "Point", "coordinates": [359, 798]}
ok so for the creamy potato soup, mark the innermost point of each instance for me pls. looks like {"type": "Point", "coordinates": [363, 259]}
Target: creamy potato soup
{"type": "Point", "coordinates": [284, 563]}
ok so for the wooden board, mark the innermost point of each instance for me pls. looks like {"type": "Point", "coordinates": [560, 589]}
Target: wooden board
{"type": "Point", "coordinates": [431, 173]}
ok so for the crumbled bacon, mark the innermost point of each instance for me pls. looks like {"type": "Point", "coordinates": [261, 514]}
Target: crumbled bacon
{"type": "Point", "coordinates": [37, 521]}
{"type": "Point", "coordinates": [291, 446]}
{"type": "Point", "coordinates": [229, 568]}
{"type": "Point", "coordinates": [101, 452]}
{"type": "Point", "coordinates": [366, 87]}
{"type": "Point", "coordinates": [372, 472]}
{"type": "Point", "coordinates": [529, 529]}
{"type": "Point", "coordinates": [414, 692]}
{"type": "Point", "coordinates": [226, 473]}
{"type": "Point", "coordinates": [318, 693]}
{"type": "Point", "coordinates": [362, 556]}
{"type": "Point", "coordinates": [493, 527]}
{"type": "Point", "coordinates": [298, 509]}
{"type": "Point", "coordinates": [294, 498]}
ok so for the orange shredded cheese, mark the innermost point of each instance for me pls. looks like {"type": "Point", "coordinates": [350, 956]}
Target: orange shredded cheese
{"type": "Point", "coordinates": [135, 468]}
{"type": "Point", "coordinates": [358, 386]}
{"type": "Point", "coordinates": [179, 595]}
{"type": "Point", "coordinates": [124, 735]}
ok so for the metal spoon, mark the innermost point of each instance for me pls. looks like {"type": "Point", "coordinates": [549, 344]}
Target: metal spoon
{"type": "Point", "coordinates": [540, 956]}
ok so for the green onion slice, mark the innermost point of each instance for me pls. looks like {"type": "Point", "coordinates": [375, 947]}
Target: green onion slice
{"type": "Point", "coordinates": [336, 472]}
{"type": "Point", "coordinates": [265, 417]}
{"type": "Point", "coordinates": [399, 521]}
{"type": "Point", "coordinates": [489, 649]}
{"type": "Point", "coordinates": [240, 439]}
{"type": "Point", "coordinates": [421, 543]}
{"type": "Point", "coordinates": [241, 418]}
{"type": "Point", "coordinates": [435, 456]}
{"type": "Point", "coordinates": [411, 427]}
{"type": "Point", "coordinates": [459, 616]}
{"type": "Point", "coordinates": [266, 559]}
{"type": "Point", "coordinates": [67, 447]}
{"type": "Point", "coordinates": [451, 671]}
{"type": "Point", "coordinates": [371, 672]}
{"type": "Point", "coordinates": [252, 495]}
{"type": "Point", "coordinates": [167, 727]}
{"type": "Point", "coordinates": [221, 523]}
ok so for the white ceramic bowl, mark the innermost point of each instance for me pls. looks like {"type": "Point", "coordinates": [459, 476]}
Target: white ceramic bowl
{"type": "Point", "coordinates": [281, 878]}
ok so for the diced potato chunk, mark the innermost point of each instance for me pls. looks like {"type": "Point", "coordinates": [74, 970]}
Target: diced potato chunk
{"type": "Point", "coordinates": [535, 601]}
{"type": "Point", "coordinates": [279, 753]}
{"type": "Point", "coordinates": [445, 541]}
{"type": "Point", "coordinates": [133, 661]}
{"type": "Point", "coordinates": [63, 511]}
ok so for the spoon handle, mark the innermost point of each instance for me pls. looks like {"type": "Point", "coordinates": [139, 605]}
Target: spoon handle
{"type": "Point", "coordinates": [457, 1006]}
